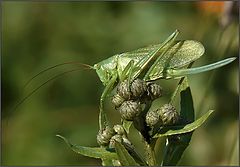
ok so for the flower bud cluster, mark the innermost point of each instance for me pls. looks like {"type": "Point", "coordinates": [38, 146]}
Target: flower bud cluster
{"type": "Point", "coordinates": [130, 96]}
{"type": "Point", "coordinates": [166, 115]}
{"type": "Point", "coordinates": [152, 118]}
{"type": "Point", "coordinates": [130, 109]}
{"type": "Point", "coordinates": [105, 135]}
{"type": "Point", "coordinates": [109, 136]}
{"type": "Point", "coordinates": [154, 91]}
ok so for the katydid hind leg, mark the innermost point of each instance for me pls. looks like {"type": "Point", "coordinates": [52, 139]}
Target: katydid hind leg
{"type": "Point", "coordinates": [168, 43]}
{"type": "Point", "coordinates": [126, 71]}
{"type": "Point", "coordinates": [176, 73]}
{"type": "Point", "coordinates": [129, 71]}
{"type": "Point", "coordinates": [148, 60]}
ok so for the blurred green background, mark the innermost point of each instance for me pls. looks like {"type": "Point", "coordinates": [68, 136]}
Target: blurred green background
{"type": "Point", "coordinates": [37, 35]}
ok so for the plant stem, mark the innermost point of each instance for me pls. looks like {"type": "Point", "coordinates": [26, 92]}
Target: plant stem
{"type": "Point", "coordinates": [150, 155]}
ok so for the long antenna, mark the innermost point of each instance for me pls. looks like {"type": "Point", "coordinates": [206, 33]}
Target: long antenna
{"type": "Point", "coordinates": [31, 93]}
{"type": "Point", "coordinates": [86, 66]}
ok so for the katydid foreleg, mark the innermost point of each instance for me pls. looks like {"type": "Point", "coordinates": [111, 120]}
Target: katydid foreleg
{"type": "Point", "coordinates": [103, 121]}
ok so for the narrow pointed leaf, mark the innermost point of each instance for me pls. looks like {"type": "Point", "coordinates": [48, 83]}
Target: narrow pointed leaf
{"type": "Point", "coordinates": [186, 103]}
{"type": "Point", "coordinates": [177, 144]}
{"type": "Point", "coordinates": [175, 148]}
{"type": "Point", "coordinates": [126, 125]}
{"type": "Point", "coordinates": [124, 157]}
{"type": "Point", "coordinates": [95, 152]}
{"type": "Point", "coordinates": [175, 130]}
{"type": "Point", "coordinates": [173, 73]}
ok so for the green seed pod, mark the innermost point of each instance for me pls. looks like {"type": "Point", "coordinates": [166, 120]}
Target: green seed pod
{"type": "Point", "coordinates": [117, 138]}
{"type": "Point", "coordinates": [104, 136]}
{"type": "Point", "coordinates": [138, 88]}
{"type": "Point", "coordinates": [119, 129]}
{"type": "Point", "coordinates": [154, 91]}
{"type": "Point", "coordinates": [168, 114]}
{"type": "Point", "coordinates": [152, 118]}
{"type": "Point", "coordinates": [101, 140]}
{"type": "Point", "coordinates": [108, 132]}
{"type": "Point", "coordinates": [117, 100]}
{"type": "Point", "coordinates": [123, 90]}
{"type": "Point", "coordinates": [130, 109]}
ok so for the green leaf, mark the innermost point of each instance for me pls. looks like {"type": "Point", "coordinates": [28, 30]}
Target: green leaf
{"type": "Point", "coordinates": [133, 152]}
{"type": "Point", "coordinates": [175, 130]}
{"type": "Point", "coordinates": [177, 144]}
{"type": "Point", "coordinates": [186, 103]}
{"type": "Point", "coordinates": [124, 157]}
{"type": "Point", "coordinates": [95, 152]}
{"type": "Point", "coordinates": [126, 125]}
{"type": "Point", "coordinates": [107, 162]}
{"type": "Point", "coordinates": [175, 147]}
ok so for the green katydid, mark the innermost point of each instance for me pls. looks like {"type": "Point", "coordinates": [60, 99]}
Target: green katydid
{"type": "Point", "coordinates": [154, 62]}
{"type": "Point", "coordinates": [161, 61]}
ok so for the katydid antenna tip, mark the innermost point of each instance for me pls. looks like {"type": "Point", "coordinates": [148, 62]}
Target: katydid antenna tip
{"type": "Point", "coordinates": [64, 139]}
{"type": "Point", "coordinates": [60, 136]}
{"type": "Point", "coordinates": [177, 31]}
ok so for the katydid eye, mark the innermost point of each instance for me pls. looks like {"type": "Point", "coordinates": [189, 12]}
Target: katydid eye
{"type": "Point", "coordinates": [96, 66]}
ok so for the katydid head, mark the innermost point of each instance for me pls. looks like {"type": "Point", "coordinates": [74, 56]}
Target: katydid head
{"type": "Point", "coordinates": [101, 73]}
{"type": "Point", "coordinates": [106, 69]}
